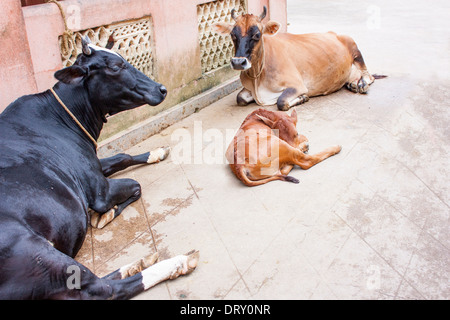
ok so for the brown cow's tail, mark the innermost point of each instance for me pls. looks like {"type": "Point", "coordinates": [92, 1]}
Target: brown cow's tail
{"type": "Point", "coordinates": [242, 175]}
{"type": "Point", "coordinates": [379, 76]}
{"type": "Point", "coordinates": [291, 179]}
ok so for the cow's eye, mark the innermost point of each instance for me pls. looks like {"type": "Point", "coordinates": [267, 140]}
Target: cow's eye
{"type": "Point", "coordinates": [256, 36]}
{"type": "Point", "coordinates": [116, 67]}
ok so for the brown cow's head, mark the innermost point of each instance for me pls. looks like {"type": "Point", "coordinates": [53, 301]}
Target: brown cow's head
{"type": "Point", "coordinates": [286, 126]}
{"type": "Point", "coordinates": [246, 34]}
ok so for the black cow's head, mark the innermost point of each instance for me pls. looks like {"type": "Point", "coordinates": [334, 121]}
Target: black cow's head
{"type": "Point", "coordinates": [246, 34]}
{"type": "Point", "coordinates": [112, 83]}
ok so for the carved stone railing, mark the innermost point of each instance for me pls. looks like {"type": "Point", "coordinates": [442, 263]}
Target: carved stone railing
{"type": "Point", "coordinates": [216, 50]}
{"type": "Point", "coordinates": [133, 41]}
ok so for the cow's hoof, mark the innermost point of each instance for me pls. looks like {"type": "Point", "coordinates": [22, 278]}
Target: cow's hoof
{"type": "Point", "coordinates": [192, 260]}
{"type": "Point", "coordinates": [363, 86]}
{"type": "Point", "coordinates": [99, 221]}
{"type": "Point", "coordinates": [304, 147]}
{"type": "Point", "coordinates": [352, 86]}
{"type": "Point", "coordinates": [158, 155]}
{"type": "Point", "coordinates": [359, 86]}
{"type": "Point", "coordinates": [188, 263]}
{"type": "Point", "coordinates": [283, 107]}
{"type": "Point", "coordinates": [138, 266]}
{"type": "Point", "coordinates": [304, 98]}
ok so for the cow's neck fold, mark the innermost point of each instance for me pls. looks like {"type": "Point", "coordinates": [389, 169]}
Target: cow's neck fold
{"type": "Point", "coordinates": [76, 99]}
{"type": "Point", "coordinates": [258, 59]}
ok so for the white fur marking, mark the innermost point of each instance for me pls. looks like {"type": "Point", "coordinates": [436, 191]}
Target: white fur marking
{"type": "Point", "coordinates": [163, 270]}
{"type": "Point", "coordinates": [294, 101]}
{"type": "Point", "coordinates": [246, 96]}
{"type": "Point", "coordinates": [133, 268]}
{"type": "Point", "coordinates": [264, 96]}
{"type": "Point", "coordinates": [124, 270]}
{"type": "Point", "coordinates": [104, 49]}
{"type": "Point", "coordinates": [157, 155]}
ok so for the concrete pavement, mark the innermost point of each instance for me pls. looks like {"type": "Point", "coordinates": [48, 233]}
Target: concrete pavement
{"type": "Point", "coordinates": [369, 223]}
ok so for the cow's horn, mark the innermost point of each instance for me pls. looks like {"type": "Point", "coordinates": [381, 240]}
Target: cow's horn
{"type": "Point", "coordinates": [233, 14]}
{"type": "Point", "coordinates": [263, 14]}
{"type": "Point", "coordinates": [85, 46]}
{"type": "Point", "coordinates": [111, 41]}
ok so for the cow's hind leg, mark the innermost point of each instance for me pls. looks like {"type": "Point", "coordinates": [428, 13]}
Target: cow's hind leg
{"type": "Point", "coordinates": [291, 97]}
{"type": "Point", "coordinates": [167, 269]}
{"type": "Point", "coordinates": [112, 198]}
{"type": "Point", "coordinates": [39, 271]}
{"type": "Point", "coordinates": [358, 82]}
{"type": "Point", "coordinates": [47, 273]}
{"type": "Point", "coordinates": [122, 161]}
{"type": "Point", "coordinates": [133, 268]}
{"type": "Point", "coordinates": [359, 79]}
{"type": "Point", "coordinates": [306, 161]}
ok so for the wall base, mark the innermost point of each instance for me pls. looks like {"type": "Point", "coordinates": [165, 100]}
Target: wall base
{"type": "Point", "coordinates": [143, 130]}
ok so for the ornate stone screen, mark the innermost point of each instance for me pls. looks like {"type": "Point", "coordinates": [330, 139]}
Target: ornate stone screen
{"type": "Point", "coordinates": [133, 41]}
{"type": "Point", "coordinates": [216, 50]}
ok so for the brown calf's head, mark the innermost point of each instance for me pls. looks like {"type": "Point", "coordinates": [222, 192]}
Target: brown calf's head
{"type": "Point", "coordinates": [286, 126]}
{"type": "Point", "coordinates": [246, 34]}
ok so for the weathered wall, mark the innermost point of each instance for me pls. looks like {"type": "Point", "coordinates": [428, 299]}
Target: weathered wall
{"type": "Point", "coordinates": [16, 67]}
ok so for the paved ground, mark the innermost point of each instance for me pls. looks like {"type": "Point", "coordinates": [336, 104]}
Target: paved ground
{"type": "Point", "coordinates": [369, 223]}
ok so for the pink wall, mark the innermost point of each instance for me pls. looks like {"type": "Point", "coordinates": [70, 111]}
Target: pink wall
{"type": "Point", "coordinates": [16, 67]}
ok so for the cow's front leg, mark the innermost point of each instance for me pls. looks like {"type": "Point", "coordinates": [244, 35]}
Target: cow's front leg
{"type": "Point", "coordinates": [111, 199]}
{"type": "Point", "coordinates": [244, 97]}
{"type": "Point", "coordinates": [122, 161]}
{"type": "Point", "coordinates": [291, 97]}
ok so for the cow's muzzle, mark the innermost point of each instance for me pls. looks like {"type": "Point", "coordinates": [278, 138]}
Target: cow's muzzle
{"type": "Point", "coordinates": [156, 96]}
{"type": "Point", "coordinates": [240, 63]}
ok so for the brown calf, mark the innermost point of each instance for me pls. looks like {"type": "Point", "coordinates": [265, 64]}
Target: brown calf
{"type": "Point", "coordinates": [267, 146]}
{"type": "Point", "coordinates": [287, 69]}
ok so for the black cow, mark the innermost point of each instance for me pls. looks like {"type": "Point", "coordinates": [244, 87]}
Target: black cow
{"type": "Point", "coordinates": [50, 176]}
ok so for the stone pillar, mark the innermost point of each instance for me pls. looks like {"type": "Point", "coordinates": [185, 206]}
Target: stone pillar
{"type": "Point", "coordinates": [16, 67]}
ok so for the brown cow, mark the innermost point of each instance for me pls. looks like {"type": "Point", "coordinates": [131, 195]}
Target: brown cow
{"type": "Point", "coordinates": [287, 69]}
{"type": "Point", "coordinates": [267, 146]}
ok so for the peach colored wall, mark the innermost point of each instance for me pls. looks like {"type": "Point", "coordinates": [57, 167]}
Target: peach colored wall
{"type": "Point", "coordinates": [176, 46]}
{"type": "Point", "coordinates": [16, 68]}
{"type": "Point", "coordinates": [278, 12]}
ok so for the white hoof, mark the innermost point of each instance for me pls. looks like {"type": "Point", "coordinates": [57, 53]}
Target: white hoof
{"type": "Point", "coordinates": [158, 155]}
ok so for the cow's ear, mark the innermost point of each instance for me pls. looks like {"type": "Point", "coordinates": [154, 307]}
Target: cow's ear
{"type": "Point", "coordinates": [72, 74]}
{"type": "Point", "coordinates": [111, 41]}
{"type": "Point", "coordinates": [222, 28]}
{"type": "Point", "coordinates": [267, 121]}
{"type": "Point", "coordinates": [294, 114]}
{"type": "Point", "coordinates": [271, 28]}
